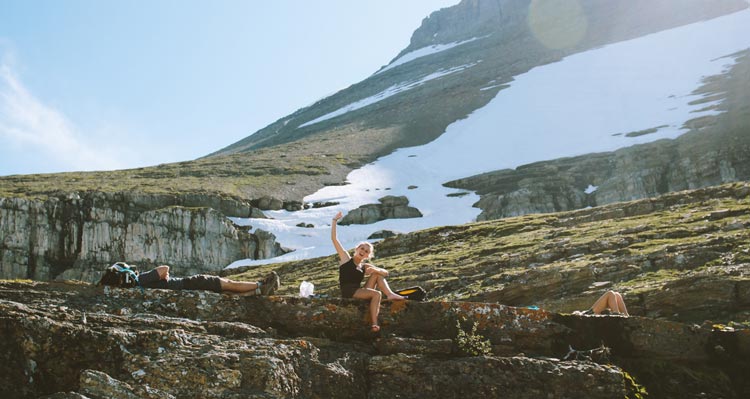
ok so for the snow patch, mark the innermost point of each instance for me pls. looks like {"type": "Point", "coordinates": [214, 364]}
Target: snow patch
{"type": "Point", "coordinates": [425, 51]}
{"type": "Point", "coordinates": [391, 91]}
{"type": "Point", "coordinates": [489, 87]}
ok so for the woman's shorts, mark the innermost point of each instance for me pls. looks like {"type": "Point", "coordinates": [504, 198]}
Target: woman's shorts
{"type": "Point", "coordinates": [347, 291]}
{"type": "Point", "coordinates": [202, 282]}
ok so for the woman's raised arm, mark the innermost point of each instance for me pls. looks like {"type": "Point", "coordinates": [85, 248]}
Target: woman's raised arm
{"type": "Point", "coordinates": [343, 255]}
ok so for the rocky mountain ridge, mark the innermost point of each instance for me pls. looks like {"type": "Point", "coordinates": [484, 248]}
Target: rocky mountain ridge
{"type": "Point", "coordinates": [495, 32]}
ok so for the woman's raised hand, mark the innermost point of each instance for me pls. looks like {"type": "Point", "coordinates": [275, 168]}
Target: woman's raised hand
{"type": "Point", "coordinates": [343, 255]}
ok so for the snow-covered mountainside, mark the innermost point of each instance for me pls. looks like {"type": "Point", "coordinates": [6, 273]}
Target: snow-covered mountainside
{"type": "Point", "coordinates": [477, 44]}
{"type": "Point", "coordinates": [593, 101]}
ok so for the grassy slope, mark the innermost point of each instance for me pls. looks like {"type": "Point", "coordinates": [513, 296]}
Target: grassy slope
{"type": "Point", "coordinates": [289, 171]}
{"type": "Point", "coordinates": [563, 261]}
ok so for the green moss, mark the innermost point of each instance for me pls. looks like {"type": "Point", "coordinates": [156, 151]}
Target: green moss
{"type": "Point", "coordinates": [17, 280]}
{"type": "Point", "coordinates": [635, 390]}
{"type": "Point", "coordinates": [651, 280]}
{"type": "Point", "coordinates": [267, 171]}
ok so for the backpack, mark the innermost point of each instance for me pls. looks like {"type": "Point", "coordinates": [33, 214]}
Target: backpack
{"type": "Point", "coordinates": [413, 293]}
{"type": "Point", "coordinates": [120, 275]}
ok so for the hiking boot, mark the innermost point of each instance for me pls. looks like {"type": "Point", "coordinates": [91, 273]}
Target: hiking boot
{"type": "Point", "coordinates": [270, 284]}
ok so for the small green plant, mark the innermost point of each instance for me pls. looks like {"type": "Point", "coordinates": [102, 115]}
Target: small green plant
{"type": "Point", "coordinates": [741, 324]}
{"type": "Point", "coordinates": [471, 343]}
{"type": "Point", "coordinates": [636, 390]}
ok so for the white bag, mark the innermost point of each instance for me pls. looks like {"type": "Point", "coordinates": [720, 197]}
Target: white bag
{"type": "Point", "coordinates": [306, 289]}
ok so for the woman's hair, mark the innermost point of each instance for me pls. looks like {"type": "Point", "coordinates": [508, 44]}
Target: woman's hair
{"type": "Point", "coordinates": [372, 249]}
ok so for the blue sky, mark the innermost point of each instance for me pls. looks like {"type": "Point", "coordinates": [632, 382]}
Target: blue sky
{"type": "Point", "coordinates": [91, 85]}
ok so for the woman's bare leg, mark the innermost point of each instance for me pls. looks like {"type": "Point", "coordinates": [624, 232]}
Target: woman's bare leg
{"type": "Point", "coordinates": [374, 296]}
{"type": "Point", "coordinates": [380, 282]}
{"type": "Point", "coordinates": [238, 287]}
{"type": "Point", "coordinates": [621, 304]}
{"type": "Point", "coordinates": [607, 301]}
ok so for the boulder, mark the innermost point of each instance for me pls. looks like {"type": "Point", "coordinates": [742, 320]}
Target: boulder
{"type": "Point", "coordinates": [382, 234]}
{"type": "Point", "coordinates": [390, 207]}
{"type": "Point", "coordinates": [391, 201]}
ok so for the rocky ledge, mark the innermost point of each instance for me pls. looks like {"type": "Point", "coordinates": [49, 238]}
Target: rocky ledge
{"type": "Point", "coordinates": [74, 340]}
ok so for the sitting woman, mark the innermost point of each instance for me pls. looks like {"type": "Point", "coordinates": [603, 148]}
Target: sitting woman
{"type": "Point", "coordinates": [610, 302]}
{"type": "Point", "coordinates": [352, 270]}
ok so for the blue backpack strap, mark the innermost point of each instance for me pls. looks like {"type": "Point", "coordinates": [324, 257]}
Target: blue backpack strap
{"type": "Point", "coordinates": [122, 267]}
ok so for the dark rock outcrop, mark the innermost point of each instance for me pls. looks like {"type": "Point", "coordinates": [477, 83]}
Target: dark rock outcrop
{"type": "Point", "coordinates": [390, 207]}
{"type": "Point", "coordinates": [124, 343]}
{"type": "Point", "coordinates": [269, 203]}
{"type": "Point", "coordinates": [380, 234]}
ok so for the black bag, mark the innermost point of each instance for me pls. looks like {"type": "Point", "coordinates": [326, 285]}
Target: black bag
{"type": "Point", "coordinates": [413, 293]}
{"type": "Point", "coordinates": [120, 275]}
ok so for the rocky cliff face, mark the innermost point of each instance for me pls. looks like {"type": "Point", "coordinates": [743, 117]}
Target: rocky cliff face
{"type": "Point", "coordinates": [470, 18]}
{"type": "Point", "coordinates": [75, 236]}
{"type": "Point", "coordinates": [74, 341]}
{"type": "Point", "coordinates": [477, 18]}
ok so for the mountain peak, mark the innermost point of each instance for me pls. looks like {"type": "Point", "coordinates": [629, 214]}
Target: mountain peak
{"type": "Point", "coordinates": [470, 18]}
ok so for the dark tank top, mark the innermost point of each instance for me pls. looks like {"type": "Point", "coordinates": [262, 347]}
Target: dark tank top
{"type": "Point", "coordinates": [349, 275]}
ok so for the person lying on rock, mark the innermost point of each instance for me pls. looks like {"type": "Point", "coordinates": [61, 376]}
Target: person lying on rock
{"type": "Point", "coordinates": [352, 270]}
{"type": "Point", "coordinates": [610, 302]}
{"type": "Point", "coordinates": [159, 278]}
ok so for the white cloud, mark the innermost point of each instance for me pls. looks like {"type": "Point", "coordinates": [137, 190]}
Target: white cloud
{"type": "Point", "coordinates": [29, 125]}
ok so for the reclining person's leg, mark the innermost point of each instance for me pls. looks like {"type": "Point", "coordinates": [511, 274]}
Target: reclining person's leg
{"type": "Point", "coordinates": [621, 304]}
{"type": "Point", "coordinates": [267, 286]}
{"type": "Point", "coordinates": [606, 301]}
{"type": "Point", "coordinates": [238, 287]}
